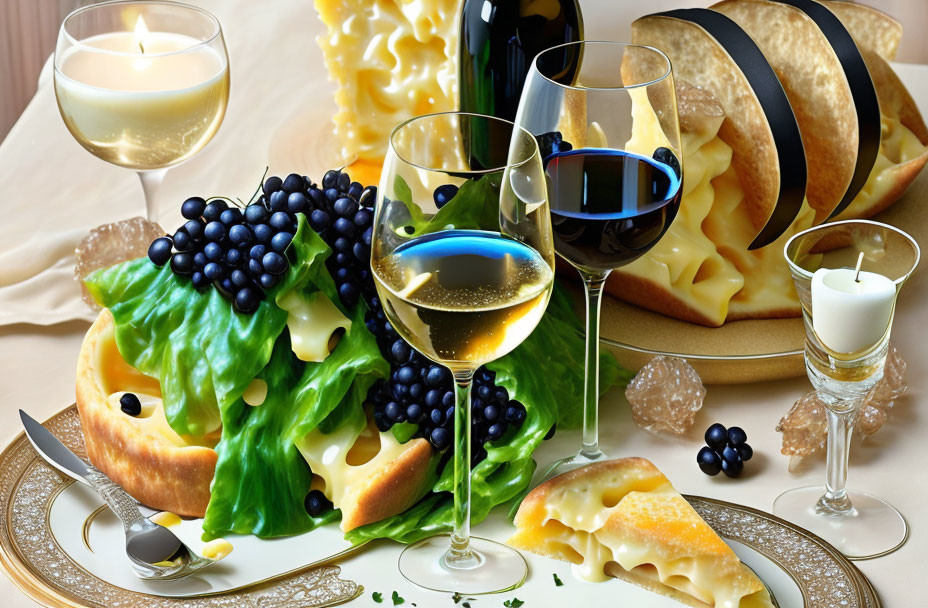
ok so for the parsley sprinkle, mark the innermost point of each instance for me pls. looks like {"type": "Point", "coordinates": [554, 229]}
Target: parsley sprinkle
{"type": "Point", "coordinates": [378, 596]}
{"type": "Point", "coordinates": [457, 597]}
{"type": "Point", "coordinates": [397, 600]}
{"type": "Point", "coordinates": [557, 581]}
{"type": "Point", "coordinates": [513, 603]}
{"type": "Point", "coordinates": [466, 604]}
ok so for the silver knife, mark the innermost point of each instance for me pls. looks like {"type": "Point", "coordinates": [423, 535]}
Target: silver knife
{"type": "Point", "coordinates": [53, 451]}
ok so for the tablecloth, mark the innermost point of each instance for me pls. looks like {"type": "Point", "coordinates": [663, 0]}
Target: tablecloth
{"type": "Point", "coordinates": [48, 179]}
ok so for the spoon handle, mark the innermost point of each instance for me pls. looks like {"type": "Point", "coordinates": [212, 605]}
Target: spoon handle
{"type": "Point", "coordinates": [123, 505]}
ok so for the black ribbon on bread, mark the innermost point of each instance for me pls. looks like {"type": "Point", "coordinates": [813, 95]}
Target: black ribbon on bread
{"type": "Point", "coordinates": [790, 152]}
{"type": "Point", "coordinates": [865, 99]}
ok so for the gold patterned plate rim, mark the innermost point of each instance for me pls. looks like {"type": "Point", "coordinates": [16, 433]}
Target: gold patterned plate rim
{"type": "Point", "coordinates": [34, 562]}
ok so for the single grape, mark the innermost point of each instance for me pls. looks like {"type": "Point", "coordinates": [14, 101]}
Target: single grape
{"type": "Point", "coordinates": [444, 194]}
{"type": "Point", "coordinates": [263, 233]}
{"type": "Point", "coordinates": [297, 203]}
{"type": "Point", "coordinates": [213, 271]}
{"type": "Point", "coordinates": [709, 461]}
{"type": "Point", "coordinates": [716, 437]}
{"type": "Point", "coordinates": [182, 264]}
{"type": "Point", "coordinates": [274, 263]}
{"type": "Point", "coordinates": [736, 436]}
{"type": "Point", "coordinates": [213, 210]}
{"type": "Point", "coordinates": [192, 208]}
{"type": "Point", "coordinates": [240, 234]}
{"type": "Point", "coordinates": [182, 241]}
{"type": "Point", "coordinates": [277, 201]}
{"type": "Point", "coordinates": [246, 300]}
{"type": "Point", "coordinates": [255, 213]}
{"type": "Point", "coordinates": [231, 216]}
{"type": "Point", "coordinates": [293, 182]}
{"type": "Point", "coordinates": [159, 252]}
{"type": "Point", "coordinates": [345, 207]}
{"type": "Point", "coordinates": [129, 403]}
{"type": "Point", "coordinates": [271, 184]}
{"type": "Point", "coordinates": [280, 241]}
{"type": "Point", "coordinates": [214, 231]}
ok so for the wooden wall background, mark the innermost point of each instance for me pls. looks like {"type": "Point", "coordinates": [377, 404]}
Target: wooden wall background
{"type": "Point", "coordinates": [29, 28]}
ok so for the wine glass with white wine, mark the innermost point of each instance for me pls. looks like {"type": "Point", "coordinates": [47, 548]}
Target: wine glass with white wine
{"type": "Point", "coordinates": [464, 283]}
{"type": "Point", "coordinates": [142, 85]}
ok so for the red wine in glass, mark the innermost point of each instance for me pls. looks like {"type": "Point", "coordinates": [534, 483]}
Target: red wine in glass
{"type": "Point", "coordinates": [608, 207]}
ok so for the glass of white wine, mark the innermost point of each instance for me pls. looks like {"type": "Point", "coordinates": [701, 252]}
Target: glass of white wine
{"type": "Point", "coordinates": [142, 85]}
{"type": "Point", "coordinates": [463, 261]}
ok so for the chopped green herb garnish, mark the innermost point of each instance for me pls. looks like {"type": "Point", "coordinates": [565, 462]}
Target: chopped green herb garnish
{"type": "Point", "coordinates": [378, 596]}
{"type": "Point", "coordinates": [466, 604]}
{"type": "Point", "coordinates": [513, 603]}
{"type": "Point", "coordinates": [397, 600]}
{"type": "Point", "coordinates": [457, 597]}
{"type": "Point", "coordinates": [557, 581]}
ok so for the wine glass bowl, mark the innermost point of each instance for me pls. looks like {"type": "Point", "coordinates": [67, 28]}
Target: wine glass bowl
{"type": "Point", "coordinates": [142, 84]}
{"type": "Point", "coordinates": [605, 117]}
{"type": "Point", "coordinates": [846, 346]}
{"type": "Point", "coordinates": [462, 259]}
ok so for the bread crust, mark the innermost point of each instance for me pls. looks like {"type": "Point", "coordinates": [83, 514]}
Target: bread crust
{"type": "Point", "coordinates": [393, 488]}
{"type": "Point", "coordinates": [156, 473]}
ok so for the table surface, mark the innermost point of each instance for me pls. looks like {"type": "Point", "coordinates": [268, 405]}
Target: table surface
{"type": "Point", "coordinates": [44, 166]}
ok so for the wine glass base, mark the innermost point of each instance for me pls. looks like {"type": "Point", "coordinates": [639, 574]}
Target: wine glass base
{"type": "Point", "coordinates": [572, 462]}
{"type": "Point", "coordinates": [873, 528]}
{"type": "Point", "coordinates": [497, 568]}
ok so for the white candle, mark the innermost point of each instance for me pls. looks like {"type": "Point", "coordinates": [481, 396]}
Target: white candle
{"type": "Point", "coordinates": [851, 312]}
{"type": "Point", "coordinates": [142, 100]}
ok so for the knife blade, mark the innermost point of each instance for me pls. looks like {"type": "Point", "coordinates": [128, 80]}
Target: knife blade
{"type": "Point", "coordinates": [52, 450]}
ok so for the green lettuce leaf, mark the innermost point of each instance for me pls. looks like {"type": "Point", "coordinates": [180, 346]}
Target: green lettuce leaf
{"type": "Point", "coordinates": [261, 479]}
{"type": "Point", "coordinates": [551, 352]}
{"type": "Point", "coordinates": [203, 353]}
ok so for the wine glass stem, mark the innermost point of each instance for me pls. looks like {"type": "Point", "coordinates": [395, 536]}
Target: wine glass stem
{"type": "Point", "coordinates": [460, 555]}
{"type": "Point", "coordinates": [841, 418]}
{"type": "Point", "coordinates": [151, 182]}
{"type": "Point", "coordinates": [593, 286]}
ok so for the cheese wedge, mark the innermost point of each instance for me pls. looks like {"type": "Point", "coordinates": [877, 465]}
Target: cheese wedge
{"type": "Point", "coordinates": [622, 518]}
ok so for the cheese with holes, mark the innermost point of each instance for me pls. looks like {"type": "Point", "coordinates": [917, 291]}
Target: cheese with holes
{"type": "Point", "coordinates": [622, 518]}
{"type": "Point", "coordinates": [367, 474]}
{"type": "Point", "coordinates": [390, 60]}
{"type": "Point", "coordinates": [313, 321]}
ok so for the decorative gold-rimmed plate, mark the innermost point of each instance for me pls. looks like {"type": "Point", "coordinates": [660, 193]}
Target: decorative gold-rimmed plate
{"type": "Point", "coordinates": [800, 568]}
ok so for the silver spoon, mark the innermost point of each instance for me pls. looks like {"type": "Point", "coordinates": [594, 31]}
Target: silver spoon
{"type": "Point", "coordinates": [155, 552]}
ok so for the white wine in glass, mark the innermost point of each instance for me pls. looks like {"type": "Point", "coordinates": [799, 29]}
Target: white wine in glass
{"type": "Point", "coordinates": [142, 85]}
{"type": "Point", "coordinates": [464, 291]}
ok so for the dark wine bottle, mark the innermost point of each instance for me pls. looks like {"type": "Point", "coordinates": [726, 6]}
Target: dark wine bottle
{"type": "Point", "coordinates": [499, 40]}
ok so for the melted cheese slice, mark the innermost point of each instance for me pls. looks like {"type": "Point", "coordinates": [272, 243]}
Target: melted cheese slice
{"type": "Point", "coordinates": [703, 261]}
{"type": "Point", "coordinates": [313, 321]}
{"type": "Point", "coordinates": [623, 518]}
{"type": "Point", "coordinates": [350, 461]}
{"type": "Point", "coordinates": [390, 60]}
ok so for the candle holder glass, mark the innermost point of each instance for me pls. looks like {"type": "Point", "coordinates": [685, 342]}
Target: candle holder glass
{"type": "Point", "coordinates": [858, 524]}
{"type": "Point", "coordinates": [142, 84]}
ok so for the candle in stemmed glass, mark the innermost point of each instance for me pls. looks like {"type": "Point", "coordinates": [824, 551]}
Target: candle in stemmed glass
{"type": "Point", "coordinates": [848, 275]}
{"type": "Point", "coordinates": [463, 294]}
{"type": "Point", "coordinates": [142, 85]}
{"type": "Point", "coordinates": [605, 116]}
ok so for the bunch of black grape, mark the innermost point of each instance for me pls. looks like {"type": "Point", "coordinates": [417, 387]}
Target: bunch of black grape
{"type": "Point", "coordinates": [244, 251]}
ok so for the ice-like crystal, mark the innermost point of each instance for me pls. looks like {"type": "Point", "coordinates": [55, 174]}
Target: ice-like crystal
{"type": "Point", "coordinates": [665, 395]}
{"type": "Point", "coordinates": [110, 244]}
{"type": "Point", "coordinates": [804, 426]}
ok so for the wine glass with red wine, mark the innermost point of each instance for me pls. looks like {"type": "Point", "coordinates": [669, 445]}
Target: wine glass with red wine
{"type": "Point", "coordinates": [605, 117]}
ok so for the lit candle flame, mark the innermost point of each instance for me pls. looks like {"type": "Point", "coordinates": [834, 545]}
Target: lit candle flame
{"type": "Point", "coordinates": [141, 37]}
{"type": "Point", "coordinates": [141, 33]}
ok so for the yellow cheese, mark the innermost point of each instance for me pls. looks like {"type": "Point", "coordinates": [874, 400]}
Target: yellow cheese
{"type": "Point", "coordinates": [390, 60]}
{"type": "Point", "coordinates": [347, 458]}
{"type": "Point", "coordinates": [165, 519]}
{"type": "Point", "coordinates": [703, 260]}
{"type": "Point", "coordinates": [313, 320]}
{"type": "Point", "coordinates": [256, 392]}
{"type": "Point", "coordinates": [625, 519]}
{"type": "Point", "coordinates": [217, 549]}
